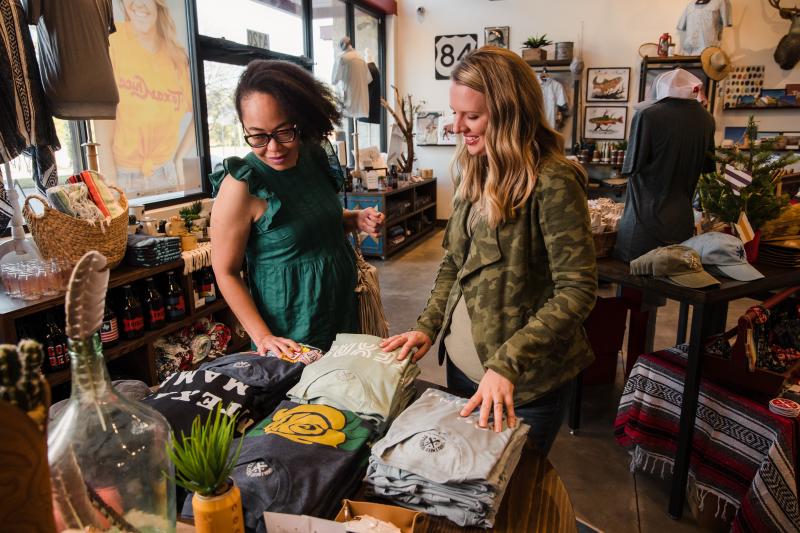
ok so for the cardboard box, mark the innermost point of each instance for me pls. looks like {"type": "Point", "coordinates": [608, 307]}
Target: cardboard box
{"type": "Point", "coordinates": [407, 520]}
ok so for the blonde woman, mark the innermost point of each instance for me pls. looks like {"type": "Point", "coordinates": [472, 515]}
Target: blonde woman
{"type": "Point", "coordinates": [518, 277]}
{"type": "Point", "coordinates": [153, 131]}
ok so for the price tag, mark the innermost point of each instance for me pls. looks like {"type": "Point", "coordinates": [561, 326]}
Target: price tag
{"type": "Point", "coordinates": [450, 49]}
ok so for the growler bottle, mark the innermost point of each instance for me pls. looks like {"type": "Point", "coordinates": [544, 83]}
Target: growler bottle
{"type": "Point", "coordinates": [55, 343]}
{"type": "Point", "coordinates": [109, 330]}
{"type": "Point", "coordinates": [176, 305]}
{"type": "Point", "coordinates": [131, 315]}
{"type": "Point", "coordinates": [154, 311]}
{"type": "Point", "coordinates": [207, 289]}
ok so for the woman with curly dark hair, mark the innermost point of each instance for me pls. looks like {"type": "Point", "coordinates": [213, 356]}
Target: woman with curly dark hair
{"type": "Point", "coordinates": [278, 207]}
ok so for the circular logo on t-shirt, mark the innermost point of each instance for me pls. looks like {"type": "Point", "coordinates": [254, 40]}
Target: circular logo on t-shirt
{"type": "Point", "coordinates": [258, 469]}
{"type": "Point", "coordinates": [431, 442]}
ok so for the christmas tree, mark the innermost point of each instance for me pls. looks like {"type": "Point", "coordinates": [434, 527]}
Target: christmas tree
{"type": "Point", "coordinates": [760, 199]}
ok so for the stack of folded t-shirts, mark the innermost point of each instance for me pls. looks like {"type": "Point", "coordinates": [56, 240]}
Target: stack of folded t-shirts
{"type": "Point", "coordinates": [436, 461]}
{"type": "Point", "coordinates": [358, 376]}
{"type": "Point", "coordinates": [148, 251]}
{"type": "Point", "coordinates": [302, 459]}
{"type": "Point", "coordinates": [247, 386]}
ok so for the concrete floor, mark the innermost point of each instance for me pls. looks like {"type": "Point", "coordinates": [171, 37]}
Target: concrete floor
{"type": "Point", "coordinates": [594, 468]}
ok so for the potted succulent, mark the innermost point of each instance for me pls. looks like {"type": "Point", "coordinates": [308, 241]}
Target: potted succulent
{"type": "Point", "coordinates": [532, 48]}
{"type": "Point", "coordinates": [189, 215]}
{"type": "Point", "coordinates": [203, 464]}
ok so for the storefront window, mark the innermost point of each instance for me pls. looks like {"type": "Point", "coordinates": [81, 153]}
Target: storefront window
{"type": "Point", "coordinates": [224, 129]}
{"type": "Point", "coordinates": [329, 25]}
{"type": "Point", "coordinates": [273, 24]}
{"type": "Point", "coordinates": [367, 42]}
{"type": "Point", "coordinates": [150, 149]}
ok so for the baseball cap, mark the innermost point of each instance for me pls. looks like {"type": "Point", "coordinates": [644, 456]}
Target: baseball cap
{"type": "Point", "coordinates": [724, 255]}
{"type": "Point", "coordinates": [677, 263]}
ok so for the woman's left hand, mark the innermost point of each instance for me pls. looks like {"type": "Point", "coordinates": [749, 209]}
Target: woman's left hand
{"type": "Point", "coordinates": [370, 221]}
{"type": "Point", "coordinates": [493, 395]}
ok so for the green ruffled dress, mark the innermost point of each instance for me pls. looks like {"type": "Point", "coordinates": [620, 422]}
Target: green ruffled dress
{"type": "Point", "coordinates": [301, 269]}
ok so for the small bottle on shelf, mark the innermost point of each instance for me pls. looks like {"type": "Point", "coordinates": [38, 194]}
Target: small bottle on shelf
{"type": "Point", "coordinates": [55, 345]}
{"type": "Point", "coordinates": [207, 288]}
{"type": "Point", "coordinates": [154, 311]}
{"type": "Point", "coordinates": [109, 330]}
{"type": "Point", "coordinates": [176, 304]}
{"type": "Point", "coordinates": [132, 316]}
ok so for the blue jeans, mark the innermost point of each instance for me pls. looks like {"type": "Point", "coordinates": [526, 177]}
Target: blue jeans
{"type": "Point", "coordinates": [544, 415]}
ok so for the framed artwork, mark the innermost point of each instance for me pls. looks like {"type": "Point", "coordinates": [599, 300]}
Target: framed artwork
{"type": "Point", "coordinates": [444, 130]}
{"type": "Point", "coordinates": [605, 123]}
{"type": "Point", "coordinates": [496, 36]}
{"type": "Point", "coordinates": [608, 84]}
{"type": "Point", "coordinates": [427, 124]}
{"type": "Point", "coordinates": [450, 49]}
{"type": "Point", "coordinates": [743, 83]}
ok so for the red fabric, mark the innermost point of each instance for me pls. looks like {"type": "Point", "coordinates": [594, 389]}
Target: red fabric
{"type": "Point", "coordinates": [387, 7]}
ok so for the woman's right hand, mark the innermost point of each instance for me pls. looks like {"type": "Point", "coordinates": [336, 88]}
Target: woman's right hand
{"type": "Point", "coordinates": [408, 340]}
{"type": "Point", "coordinates": [278, 345]}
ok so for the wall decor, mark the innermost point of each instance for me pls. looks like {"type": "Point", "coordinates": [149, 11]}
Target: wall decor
{"type": "Point", "coordinates": [496, 36]}
{"type": "Point", "coordinates": [607, 84]}
{"type": "Point", "coordinates": [450, 49]}
{"type": "Point", "coordinates": [444, 130]}
{"type": "Point", "coordinates": [427, 124]}
{"type": "Point", "coordinates": [744, 80]}
{"type": "Point", "coordinates": [605, 123]}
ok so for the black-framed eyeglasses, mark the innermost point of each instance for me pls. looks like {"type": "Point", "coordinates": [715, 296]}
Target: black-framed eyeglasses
{"type": "Point", "coordinates": [284, 136]}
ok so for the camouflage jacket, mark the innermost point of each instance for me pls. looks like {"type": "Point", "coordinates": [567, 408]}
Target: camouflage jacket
{"type": "Point", "coordinates": [528, 285]}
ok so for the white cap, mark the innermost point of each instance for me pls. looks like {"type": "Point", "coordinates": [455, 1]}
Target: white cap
{"type": "Point", "coordinates": [676, 83]}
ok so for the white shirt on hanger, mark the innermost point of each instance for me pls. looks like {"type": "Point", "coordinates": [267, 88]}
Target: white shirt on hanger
{"type": "Point", "coordinates": [701, 25]}
{"type": "Point", "coordinates": [554, 97]}
{"type": "Point", "coordinates": [352, 78]}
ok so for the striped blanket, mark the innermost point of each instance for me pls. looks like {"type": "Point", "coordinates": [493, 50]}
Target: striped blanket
{"type": "Point", "coordinates": [741, 452]}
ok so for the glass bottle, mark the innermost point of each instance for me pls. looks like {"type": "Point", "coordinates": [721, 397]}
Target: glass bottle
{"type": "Point", "coordinates": [55, 345]}
{"type": "Point", "coordinates": [154, 311]}
{"type": "Point", "coordinates": [108, 456]}
{"type": "Point", "coordinates": [207, 289]}
{"type": "Point", "coordinates": [176, 305]}
{"type": "Point", "coordinates": [131, 314]}
{"type": "Point", "coordinates": [109, 330]}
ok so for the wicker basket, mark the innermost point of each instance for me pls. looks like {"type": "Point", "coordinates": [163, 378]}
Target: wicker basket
{"type": "Point", "coordinates": [604, 243]}
{"type": "Point", "coordinates": [61, 236]}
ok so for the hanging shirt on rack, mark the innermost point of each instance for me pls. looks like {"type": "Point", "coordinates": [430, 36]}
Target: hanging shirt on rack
{"type": "Point", "coordinates": [701, 25]}
{"type": "Point", "coordinates": [555, 97]}
{"type": "Point", "coordinates": [77, 75]}
{"type": "Point", "coordinates": [25, 119]}
{"type": "Point", "coordinates": [374, 90]}
{"type": "Point", "coordinates": [352, 78]}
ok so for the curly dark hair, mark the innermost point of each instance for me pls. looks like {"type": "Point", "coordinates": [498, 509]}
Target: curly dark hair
{"type": "Point", "coordinates": [307, 102]}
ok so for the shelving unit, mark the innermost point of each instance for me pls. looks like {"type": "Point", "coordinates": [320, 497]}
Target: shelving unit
{"type": "Point", "coordinates": [136, 357]}
{"type": "Point", "coordinates": [411, 207]}
{"type": "Point", "coordinates": [762, 108]}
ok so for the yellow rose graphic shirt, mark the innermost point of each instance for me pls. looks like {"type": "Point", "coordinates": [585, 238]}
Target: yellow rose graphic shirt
{"type": "Point", "coordinates": [302, 459]}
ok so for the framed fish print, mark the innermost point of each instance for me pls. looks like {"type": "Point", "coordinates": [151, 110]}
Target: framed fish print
{"type": "Point", "coordinates": [605, 123]}
{"type": "Point", "coordinates": [608, 84]}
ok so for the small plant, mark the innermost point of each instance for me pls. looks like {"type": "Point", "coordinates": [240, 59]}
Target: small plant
{"type": "Point", "coordinates": [202, 460]}
{"type": "Point", "coordinates": [190, 214]}
{"type": "Point", "coordinates": [537, 42]}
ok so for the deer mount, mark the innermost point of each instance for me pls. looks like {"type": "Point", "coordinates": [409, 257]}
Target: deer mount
{"type": "Point", "coordinates": [787, 54]}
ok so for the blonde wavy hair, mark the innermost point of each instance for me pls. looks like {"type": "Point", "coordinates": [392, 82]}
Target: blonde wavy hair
{"type": "Point", "coordinates": [518, 138]}
{"type": "Point", "coordinates": [168, 34]}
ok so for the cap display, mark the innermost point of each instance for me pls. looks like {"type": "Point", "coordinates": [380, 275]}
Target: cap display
{"type": "Point", "coordinates": [679, 264]}
{"type": "Point", "coordinates": [723, 254]}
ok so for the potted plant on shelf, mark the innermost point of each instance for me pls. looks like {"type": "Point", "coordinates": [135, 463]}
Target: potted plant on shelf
{"type": "Point", "coordinates": [532, 48]}
{"type": "Point", "coordinates": [203, 464]}
{"type": "Point", "coordinates": [760, 200]}
{"type": "Point", "coordinates": [189, 215]}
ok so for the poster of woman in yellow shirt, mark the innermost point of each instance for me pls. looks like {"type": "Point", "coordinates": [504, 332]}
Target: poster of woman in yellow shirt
{"type": "Point", "coordinates": [153, 137]}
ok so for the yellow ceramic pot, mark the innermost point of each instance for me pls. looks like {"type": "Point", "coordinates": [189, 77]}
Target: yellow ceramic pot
{"type": "Point", "coordinates": [188, 242]}
{"type": "Point", "coordinates": [219, 514]}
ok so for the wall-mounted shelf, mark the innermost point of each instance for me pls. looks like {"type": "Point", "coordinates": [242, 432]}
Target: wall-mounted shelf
{"type": "Point", "coordinates": [762, 108]}
{"type": "Point", "coordinates": [549, 63]}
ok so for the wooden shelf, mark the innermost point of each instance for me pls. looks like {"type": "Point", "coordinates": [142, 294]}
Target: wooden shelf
{"type": "Point", "coordinates": [392, 248]}
{"type": "Point", "coordinates": [126, 347]}
{"type": "Point", "coordinates": [549, 62]}
{"type": "Point", "coordinates": [13, 308]}
{"type": "Point", "coordinates": [392, 192]}
{"type": "Point", "coordinates": [397, 220]}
